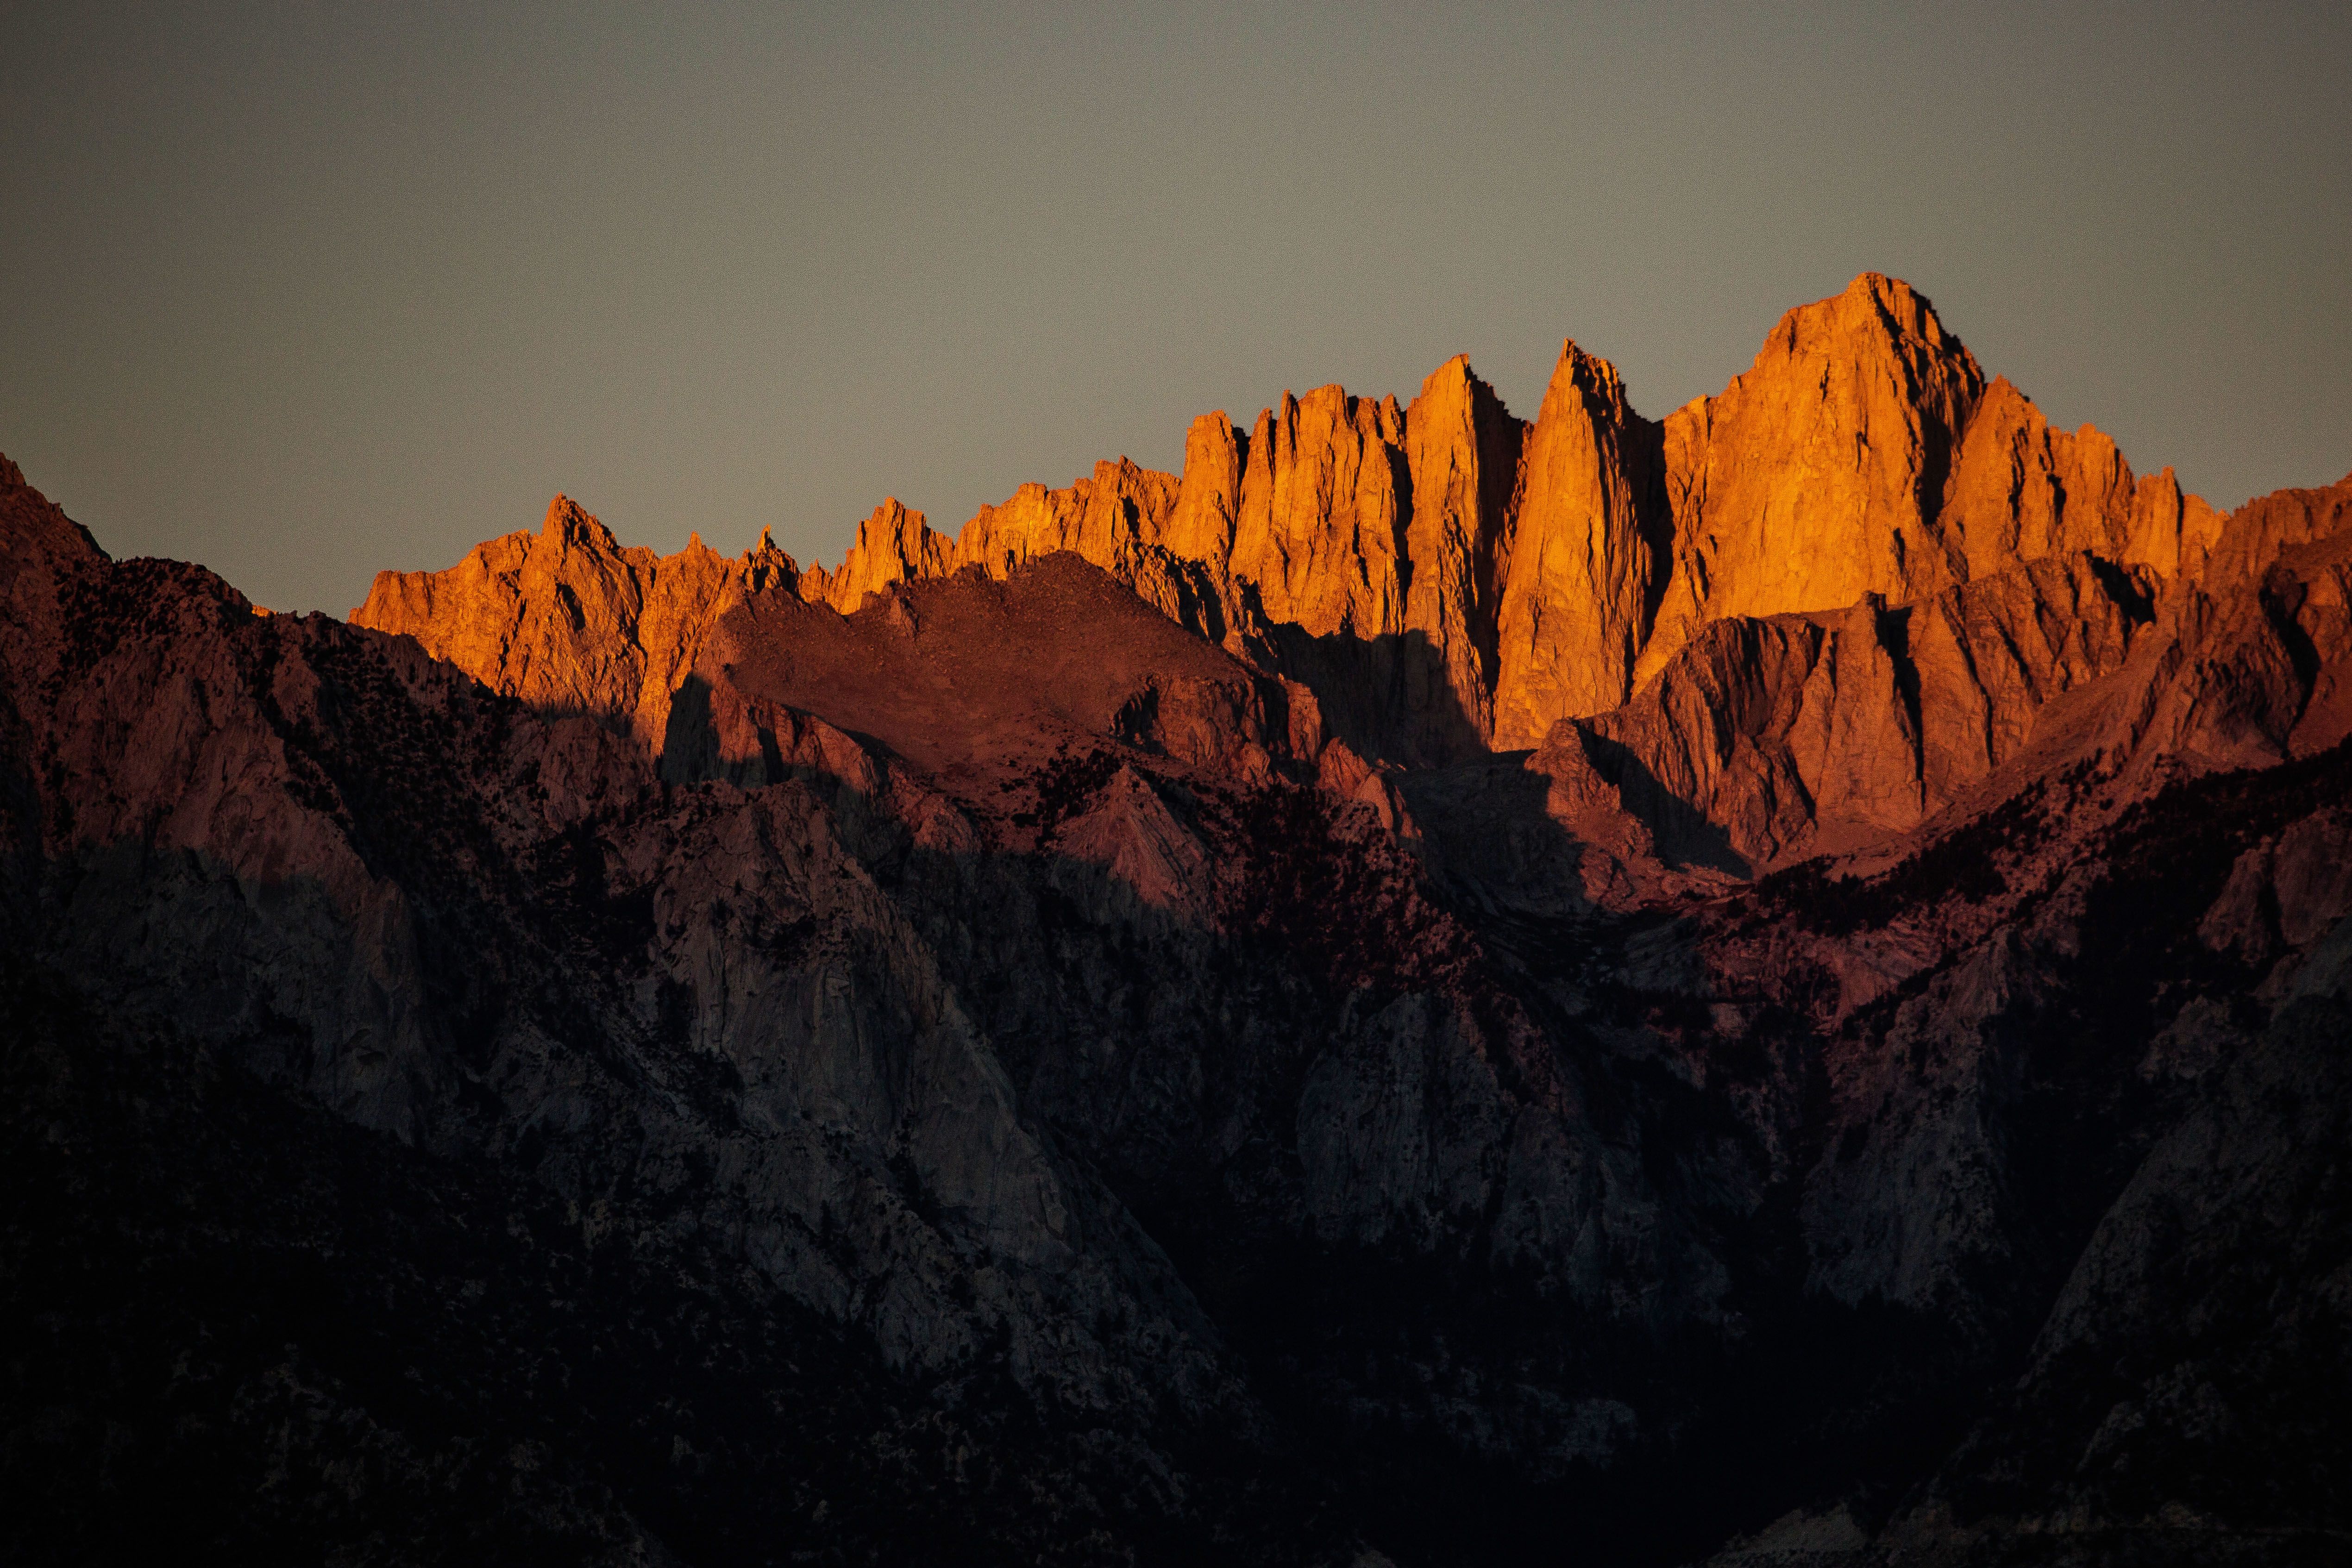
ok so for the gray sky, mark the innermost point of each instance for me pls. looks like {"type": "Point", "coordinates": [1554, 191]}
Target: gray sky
{"type": "Point", "coordinates": [303, 292]}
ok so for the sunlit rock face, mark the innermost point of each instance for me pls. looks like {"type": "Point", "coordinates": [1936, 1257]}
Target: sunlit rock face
{"type": "Point", "coordinates": [1446, 578]}
{"type": "Point", "coordinates": [1769, 982]}
{"type": "Point", "coordinates": [567, 620]}
{"type": "Point", "coordinates": [1817, 476]}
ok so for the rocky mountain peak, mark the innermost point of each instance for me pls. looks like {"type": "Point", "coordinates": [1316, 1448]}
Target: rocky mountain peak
{"type": "Point", "coordinates": [1874, 304]}
{"type": "Point", "coordinates": [570, 620]}
{"type": "Point", "coordinates": [892, 545]}
{"type": "Point", "coordinates": [40, 535]}
{"type": "Point", "coordinates": [1448, 578]}
{"type": "Point", "coordinates": [1592, 377]}
{"type": "Point", "coordinates": [766, 564]}
{"type": "Point", "coordinates": [1583, 557]}
{"type": "Point", "coordinates": [572, 526]}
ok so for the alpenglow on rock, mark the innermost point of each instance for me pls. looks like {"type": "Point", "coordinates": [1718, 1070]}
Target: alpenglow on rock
{"type": "Point", "coordinates": [1444, 577]}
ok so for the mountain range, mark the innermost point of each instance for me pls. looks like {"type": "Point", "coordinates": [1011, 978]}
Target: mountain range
{"type": "Point", "coordinates": [1767, 987]}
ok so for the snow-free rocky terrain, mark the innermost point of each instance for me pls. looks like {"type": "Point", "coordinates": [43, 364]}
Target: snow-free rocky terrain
{"type": "Point", "coordinates": [1770, 987]}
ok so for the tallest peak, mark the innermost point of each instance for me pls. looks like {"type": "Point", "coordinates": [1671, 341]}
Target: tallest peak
{"type": "Point", "coordinates": [1875, 315]}
{"type": "Point", "coordinates": [1887, 294]}
{"type": "Point", "coordinates": [1910, 312]}
{"type": "Point", "coordinates": [1879, 285]}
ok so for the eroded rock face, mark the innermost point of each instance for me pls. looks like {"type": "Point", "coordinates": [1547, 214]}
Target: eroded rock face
{"type": "Point", "coordinates": [892, 546]}
{"type": "Point", "coordinates": [1586, 556]}
{"type": "Point", "coordinates": [1099, 518]}
{"type": "Point", "coordinates": [1765, 739]}
{"type": "Point", "coordinates": [570, 621]}
{"type": "Point", "coordinates": [1864, 453]}
{"type": "Point", "coordinates": [1814, 477]}
{"type": "Point", "coordinates": [1463, 449]}
{"type": "Point", "coordinates": [2020, 489]}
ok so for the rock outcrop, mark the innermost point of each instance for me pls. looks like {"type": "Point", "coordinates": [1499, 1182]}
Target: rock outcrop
{"type": "Point", "coordinates": [570, 621]}
{"type": "Point", "coordinates": [1584, 556]}
{"type": "Point", "coordinates": [1816, 476]}
{"type": "Point", "coordinates": [892, 546]}
{"type": "Point", "coordinates": [1785, 735]}
{"type": "Point", "coordinates": [1463, 450]}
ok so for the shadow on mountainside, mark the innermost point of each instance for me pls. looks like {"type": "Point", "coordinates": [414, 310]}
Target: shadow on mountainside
{"type": "Point", "coordinates": [1389, 697]}
{"type": "Point", "coordinates": [1488, 838]}
{"type": "Point", "coordinates": [363, 1352]}
{"type": "Point", "coordinates": [1430, 1393]}
{"type": "Point", "coordinates": [1184, 1062]}
{"type": "Point", "coordinates": [1116, 1022]}
{"type": "Point", "coordinates": [344, 1311]}
{"type": "Point", "coordinates": [1684, 833]}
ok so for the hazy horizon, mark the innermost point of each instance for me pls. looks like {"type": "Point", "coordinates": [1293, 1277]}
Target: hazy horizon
{"type": "Point", "coordinates": [305, 293]}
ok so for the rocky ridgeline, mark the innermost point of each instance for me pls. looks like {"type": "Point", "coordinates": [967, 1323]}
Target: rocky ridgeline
{"type": "Point", "coordinates": [1437, 989]}
{"type": "Point", "coordinates": [1468, 578]}
{"type": "Point", "coordinates": [1446, 580]}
